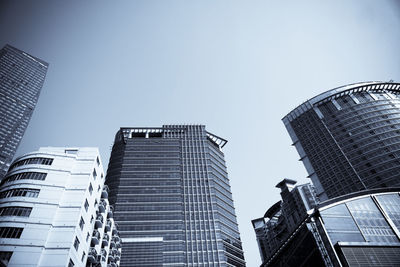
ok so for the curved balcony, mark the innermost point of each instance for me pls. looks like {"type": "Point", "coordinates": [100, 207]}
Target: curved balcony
{"type": "Point", "coordinates": [92, 256]}
{"type": "Point", "coordinates": [102, 206]}
{"type": "Point", "coordinates": [114, 231]}
{"type": "Point", "coordinates": [99, 221]}
{"type": "Point", "coordinates": [105, 240]}
{"type": "Point", "coordinates": [110, 212]}
{"type": "Point", "coordinates": [95, 237]}
{"type": "Point", "coordinates": [105, 191]}
{"type": "Point", "coordinates": [108, 225]}
{"type": "Point", "coordinates": [111, 257]}
{"type": "Point", "coordinates": [103, 254]}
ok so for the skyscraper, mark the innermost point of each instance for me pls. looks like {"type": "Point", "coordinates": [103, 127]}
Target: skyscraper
{"type": "Point", "coordinates": [54, 211]}
{"type": "Point", "coordinates": [172, 198]}
{"type": "Point", "coordinates": [349, 138]}
{"type": "Point", "coordinates": [21, 79]}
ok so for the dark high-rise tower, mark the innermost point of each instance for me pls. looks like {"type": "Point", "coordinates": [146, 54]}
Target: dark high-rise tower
{"type": "Point", "coordinates": [21, 79]}
{"type": "Point", "coordinates": [349, 138]}
{"type": "Point", "coordinates": [172, 199]}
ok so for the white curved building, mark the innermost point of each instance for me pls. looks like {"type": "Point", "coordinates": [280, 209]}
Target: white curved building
{"type": "Point", "coordinates": [54, 211]}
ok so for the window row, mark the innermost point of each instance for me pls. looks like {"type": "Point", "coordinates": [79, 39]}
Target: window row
{"type": "Point", "coordinates": [15, 211]}
{"type": "Point", "coordinates": [10, 232]}
{"type": "Point", "coordinates": [20, 192]}
{"type": "Point", "coordinates": [25, 176]}
{"type": "Point", "coordinates": [42, 161]}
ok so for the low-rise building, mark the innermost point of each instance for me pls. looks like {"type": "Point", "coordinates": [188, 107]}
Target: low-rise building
{"type": "Point", "coordinates": [54, 211]}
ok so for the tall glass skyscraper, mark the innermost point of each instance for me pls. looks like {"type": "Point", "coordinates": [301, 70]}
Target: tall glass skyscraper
{"type": "Point", "coordinates": [349, 138]}
{"type": "Point", "coordinates": [21, 79]}
{"type": "Point", "coordinates": [172, 198]}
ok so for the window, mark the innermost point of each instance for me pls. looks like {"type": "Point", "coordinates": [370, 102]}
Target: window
{"type": "Point", "coordinates": [15, 211]}
{"type": "Point", "coordinates": [98, 189]}
{"type": "Point", "coordinates": [91, 219]}
{"type": "Point", "coordinates": [20, 192]}
{"type": "Point", "coordinates": [94, 174]}
{"type": "Point", "coordinates": [83, 256]}
{"type": "Point", "coordinates": [10, 232]}
{"type": "Point", "coordinates": [71, 263]}
{"type": "Point", "coordinates": [42, 161]}
{"type": "Point", "coordinates": [5, 257]}
{"type": "Point", "coordinates": [76, 243]}
{"type": "Point", "coordinates": [86, 205]}
{"type": "Point", "coordinates": [98, 161]}
{"type": "Point", "coordinates": [71, 151]}
{"type": "Point", "coordinates": [87, 237]}
{"type": "Point", "coordinates": [90, 188]}
{"type": "Point", "coordinates": [25, 176]}
{"type": "Point", "coordinates": [81, 223]}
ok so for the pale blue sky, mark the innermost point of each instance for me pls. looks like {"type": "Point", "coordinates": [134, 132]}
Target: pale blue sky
{"type": "Point", "coordinates": [236, 66]}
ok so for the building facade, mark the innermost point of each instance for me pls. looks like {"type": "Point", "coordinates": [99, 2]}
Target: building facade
{"type": "Point", "coordinates": [358, 229]}
{"type": "Point", "coordinates": [349, 138]}
{"type": "Point", "coordinates": [21, 79]}
{"type": "Point", "coordinates": [54, 211]}
{"type": "Point", "coordinates": [282, 218]}
{"type": "Point", "coordinates": [172, 198]}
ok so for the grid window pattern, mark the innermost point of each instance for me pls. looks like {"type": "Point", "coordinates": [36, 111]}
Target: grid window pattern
{"type": "Point", "coordinates": [15, 211]}
{"type": "Point", "coordinates": [390, 203]}
{"type": "Point", "coordinates": [371, 256]}
{"type": "Point", "coordinates": [25, 176]}
{"type": "Point", "coordinates": [352, 141]}
{"type": "Point", "coordinates": [41, 161]}
{"type": "Point", "coordinates": [172, 184]}
{"type": "Point", "coordinates": [10, 232]}
{"type": "Point", "coordinates": [363, 220]}
{"type": "Point", "coordinates": [21, 79]}
{"type": "Point", "coordinates": [20, 192]}
{"type": "Point", "coordinates": [371, 222]}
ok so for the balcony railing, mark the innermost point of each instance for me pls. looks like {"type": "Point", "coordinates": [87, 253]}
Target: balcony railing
{"type": "Point", "coordinates": [95, 237]}
{"type": "Point", "coordinates": [99, 221]}
{"type": "Point", "coordinates": [106, 238]}
{"type": "Point", "coordinates": [110, 212]}
{"type": "Point", "coordinates": [103, 254]}
{"type": "Point", "coordinates": [92, 256]}
{"type": "Point", "coordinates": [105, 191]}
{"type": "Point", "coordinates": [102, 206]}
{"type": "Point", "coordinates": [108, 225]}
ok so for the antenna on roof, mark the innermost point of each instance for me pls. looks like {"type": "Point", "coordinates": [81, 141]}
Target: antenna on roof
{"type": "Point", "coordinates": [391, 81]}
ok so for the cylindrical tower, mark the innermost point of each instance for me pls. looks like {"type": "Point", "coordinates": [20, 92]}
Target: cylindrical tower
{"type": "Point", "coordinates": [349, 137]}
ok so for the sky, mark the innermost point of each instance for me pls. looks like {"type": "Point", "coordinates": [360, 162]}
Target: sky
{"type": "Point", "coordinates": [237, 67]}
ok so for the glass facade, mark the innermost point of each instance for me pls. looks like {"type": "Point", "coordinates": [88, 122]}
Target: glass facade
{"type": "Point", "coordinates": [21, 79]}
{"type": "Point", "coordinates": [360, 229]}
{"type": "Point", "coordinates": [349, 138]}
{"type": "Point", "coordinates": [170, 184]}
